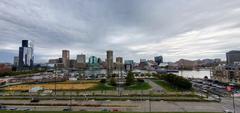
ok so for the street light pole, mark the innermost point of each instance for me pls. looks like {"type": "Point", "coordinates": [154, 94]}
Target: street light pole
{"type": "Point", "coordinates": [55, 85]}
{"type": "Point", "coordinates": [233, 101]}
{"type": "Point", "coordinates": [150, 109]}
{"type": "Point", "coordinates": [233, 89]}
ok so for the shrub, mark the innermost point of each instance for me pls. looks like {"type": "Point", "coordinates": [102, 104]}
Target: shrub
{"type": "Point", "coordinates": [129, 78]}
{"type": "Point", "coordinates": [103, 81]}
{"type": "Point", "coordinates": [140, 80]}
{"type": "Point", "coordinates": [113, 81]}
{"type": "Point", "coordinates": [177, 81]}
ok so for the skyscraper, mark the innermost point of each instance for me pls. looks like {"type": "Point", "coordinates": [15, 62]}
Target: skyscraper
{"type": "Point", "coordinates": [233, 57]}
{"type": "Point", "coordinates": [119, 63]}
{"type": "Point", "coordinates": [16, 61]}
{"type": "Point", "coordinates": [81, 58]}
{"type": "Point", "coordinates": [119, 60]}
{"type": "Point", "coordinates": [26, 57]}
{"type": "Point", "coordinates": [65, 58]}
{"type": "Point", "coordinates": [109, 62]}
{"type": "Point", "coordinates": [110, 59]}
{"type": "Point", "coordinates": [158, 59]}
{"type": "Point", "coordinates": [93, 60]}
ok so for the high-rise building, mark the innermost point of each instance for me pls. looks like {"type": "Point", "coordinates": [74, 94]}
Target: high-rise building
{"type": "Point", "coordinates": [93, 63]}
{"type": "Point", "coordinates": [143, 60]}
{"type": "Point", "coordinates": [93, 60]}
{"type": "Point", "coordinates": [65, 58]}
{"type": "Point", "coordinates": [72, 63]}
{"type": "Point", "coordinates": [233, 57]}
{"type": "Point", "coordinates": [81, 58]}
{"type": "Point", "coordinates": [119, 60]}
{"type": "Point", "coordinates": [128, 64]}
{"type": "Point", "coordinates": [26, 57]}
{"type": "Point", "coordinates": [158, 59]}
{"type": "Point", "coordinates": [109, 59]}
{"type": "Point", "coordinates": [99, 60]}
{"type": "Point", "coordinates": [119, 63]}
{"type": "Point", "coordinates": [16, 61]}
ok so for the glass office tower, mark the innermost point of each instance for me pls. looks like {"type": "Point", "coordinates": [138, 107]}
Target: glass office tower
{"type": "Point", "coordinates": [26, 57]}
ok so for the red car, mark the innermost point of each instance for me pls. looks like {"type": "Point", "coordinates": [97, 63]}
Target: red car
{"type": "Point", "coordinates": [115, 110]}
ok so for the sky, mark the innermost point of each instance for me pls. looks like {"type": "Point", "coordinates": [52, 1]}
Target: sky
{"type": "Point", "coordinates": [133, 29]}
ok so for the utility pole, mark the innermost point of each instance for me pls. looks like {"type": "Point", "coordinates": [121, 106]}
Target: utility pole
{"type": "Point", "coordinates": [55, 85]}
{"type": "Point", "coordinates": [150, 104]}
{"type": "Point", "coordinates": [71, 97]}
{"type": "Point", "coordinates": [233, 99]}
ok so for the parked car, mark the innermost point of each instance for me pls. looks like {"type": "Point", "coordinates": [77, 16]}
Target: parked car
{"type": "Point", "coordinates": [34, 100]}
{"type": "Point", "coordinates": [115, 110]}
{"type": "Point", "coordinates": [3, 107]}
{"type": "Point", "coordinates": [228, 111]}
{"type": "Point", "coordinates": [11, 109]}
{"type": "Point", "coordinates": [67, 109]}
{"type": "Point", "coordinates": [105, 110]}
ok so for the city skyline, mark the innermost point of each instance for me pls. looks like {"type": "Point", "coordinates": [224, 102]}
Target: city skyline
{"type": "Point", "coordinates": [141, 30]}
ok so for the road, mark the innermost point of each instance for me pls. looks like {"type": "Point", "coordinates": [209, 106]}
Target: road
{"type": "Point", "coordinates": [155, 87]}
{"type": "Point", "coordinates": [130, 106]}
{"type": "Point", "coordinates": [227, 103]}
{"type": "Point", "coordinates": [101, 97]}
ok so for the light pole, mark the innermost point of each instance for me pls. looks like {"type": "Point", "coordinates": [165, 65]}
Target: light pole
{"type": "Point", "coordinates": [71, 97]}
{"type": "Point", "coordinates": [150, 104]}
{"type": "Point", "coordinates": [55, 85]}
{"type": "Point", "coordinates": [233, 99]}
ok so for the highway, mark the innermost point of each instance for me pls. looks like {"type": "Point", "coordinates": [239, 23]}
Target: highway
{"type": "Point", "coordinates": [136, 106]}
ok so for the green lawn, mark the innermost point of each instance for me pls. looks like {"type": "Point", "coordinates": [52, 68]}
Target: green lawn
{"type": "Point", "coordinates": [139, 86]}
{"type": "Point", "coordinates": [102, 86]}
{"type": "Point", "coordinates": [136, 86]}
{"type": "Point", "coordinates": [89, 112]}
{"type": "Point", "coordinates": [166, 86]}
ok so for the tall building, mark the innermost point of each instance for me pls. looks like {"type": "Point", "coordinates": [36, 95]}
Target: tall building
{"type": "Point", "coordinates": [109, 59]}
{"type": "Point", "coordinates": [119, 60]}
{"type": "Point", "coordinates": [65, 58]}
{"type": "Point", "coordinates": [72, 63]}
{"type": "Point", "coordinates": [16, 61]}
{"type": "Point", "coordinates": [81, 58]}
{"type": "Point", "coordinates": [119, 63]}
{"type": "Point", "coordinates": [128, 64]}
{"type": "Point", "coordinates": [233, 57]}
{"type": "Point", "coordinates": [99, 60]}
{"type": "Point", "coordinates": [158, 59]}
{"type": "Point", "coordinates": [93, 60]}
{"type": "Point", "coordinates": [26, 57]}
{"type": "Point", "coordinates": [143, 60]}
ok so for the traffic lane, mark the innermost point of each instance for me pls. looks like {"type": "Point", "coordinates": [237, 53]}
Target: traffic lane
{"type": "Point", "coordinates": [227, 103]}
{"type": "Point", "coordinates": [155, 87]}
{"type": "Point", "coordinates": [140, 106]}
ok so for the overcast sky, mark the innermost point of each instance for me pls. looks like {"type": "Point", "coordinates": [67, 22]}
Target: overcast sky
{"type": "Point", "coordinates": [133, 29]}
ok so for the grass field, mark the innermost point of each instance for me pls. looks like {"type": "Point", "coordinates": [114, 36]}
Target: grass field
{"type": "Point", "coordinates": [166, 86]}
{"type": "Point", "coordinates": [51, 86]}
{"type": "Point", "coordinates": [102, 86]}
{"type": "Point", "coordinates": [139, 86]}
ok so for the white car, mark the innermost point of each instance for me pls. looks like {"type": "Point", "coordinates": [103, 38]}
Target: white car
{"type": "Point", "coordinates": [228, 111]}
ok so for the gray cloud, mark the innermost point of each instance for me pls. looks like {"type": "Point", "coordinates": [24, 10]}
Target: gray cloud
{"type": "Point", "coordinates": [134, 29]}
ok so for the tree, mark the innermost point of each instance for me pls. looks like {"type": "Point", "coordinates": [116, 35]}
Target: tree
{"type": "Point", "coordinates": [129, 78]}
{"type": "Point", "coordinates": [103, 81]}
{"type": "Point", "coordinates": [177, 81]}
{"type": "Point", "coordinates": [113, 81]}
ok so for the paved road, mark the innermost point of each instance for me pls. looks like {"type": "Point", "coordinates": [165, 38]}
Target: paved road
{"type": "Point", "coordinates": [99, 98]}
{"type": "Point", "coordinates": [155, 87]}
{"type": "Point", "coordinates": [227, 103]}
{"type": "Point", "coordinates": [136, 106]}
